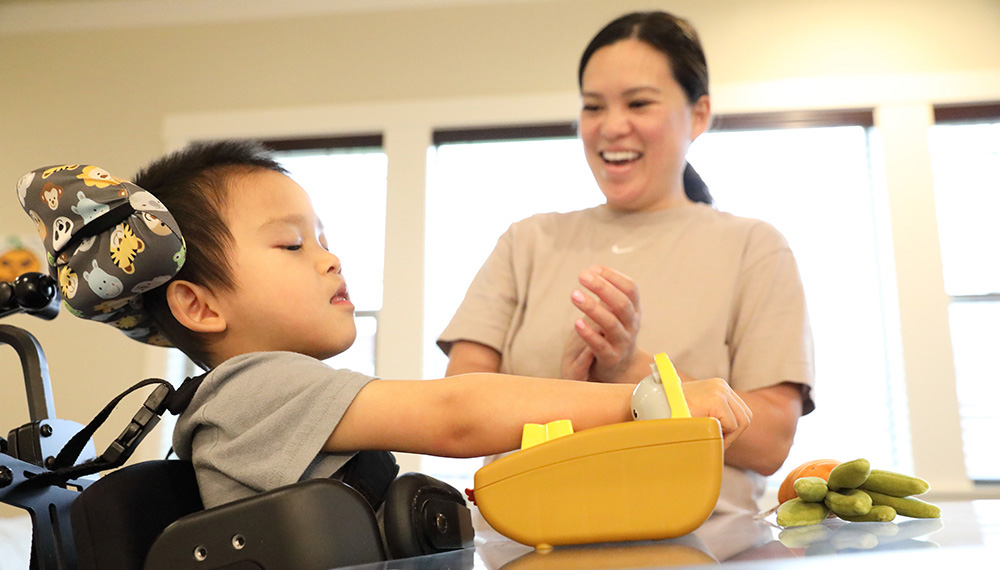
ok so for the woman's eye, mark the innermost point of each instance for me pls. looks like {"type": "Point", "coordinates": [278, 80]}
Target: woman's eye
{"type": "Point", "coordinates": [639, 104]}
{"type": "Point", "coordinates": [591, 107]}
{"type": "Point", "coordinates": [293, 247]}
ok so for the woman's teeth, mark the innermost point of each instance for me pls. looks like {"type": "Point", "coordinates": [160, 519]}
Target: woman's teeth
{"type": "Point", "coordinates": [619, 155]}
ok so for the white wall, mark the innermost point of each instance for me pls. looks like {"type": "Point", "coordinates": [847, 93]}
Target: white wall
{"type": "Point", "coordinates": [77, 84]}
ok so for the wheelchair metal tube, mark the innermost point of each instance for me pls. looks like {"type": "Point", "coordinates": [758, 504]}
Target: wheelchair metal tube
{"type": "Point", "coordinates": [36, 371]}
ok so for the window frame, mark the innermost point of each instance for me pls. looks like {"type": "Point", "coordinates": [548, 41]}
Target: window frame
{"type": "Point", "coordinates": [966, 114]}
{"type": "Point", "coordinates": [963, 114]}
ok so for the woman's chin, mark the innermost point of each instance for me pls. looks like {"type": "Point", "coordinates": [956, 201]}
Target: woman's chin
{"type": "Point", "coordinates": [627, 202]}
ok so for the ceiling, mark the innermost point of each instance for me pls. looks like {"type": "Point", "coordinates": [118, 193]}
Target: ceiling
{"type": "Point", "coordinates": [33, 16]}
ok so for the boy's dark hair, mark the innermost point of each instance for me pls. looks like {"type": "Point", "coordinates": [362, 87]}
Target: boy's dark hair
{"type": "Point", "coordinates": [196, 186]}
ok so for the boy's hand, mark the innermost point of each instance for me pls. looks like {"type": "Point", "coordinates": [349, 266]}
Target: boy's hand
{"type": "Point", "coordinates": [715, 398]}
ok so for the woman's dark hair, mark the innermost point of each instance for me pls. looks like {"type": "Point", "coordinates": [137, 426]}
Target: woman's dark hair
{"type": "Point", "coordinates": [678, 41]}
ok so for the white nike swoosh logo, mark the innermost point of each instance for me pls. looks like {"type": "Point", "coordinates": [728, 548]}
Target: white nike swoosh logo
{"type": "Point", "coordinates": [620, 250]}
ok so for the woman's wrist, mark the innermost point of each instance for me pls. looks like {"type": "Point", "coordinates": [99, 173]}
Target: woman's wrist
{"type": "Point", "coordinates": [638, 368]}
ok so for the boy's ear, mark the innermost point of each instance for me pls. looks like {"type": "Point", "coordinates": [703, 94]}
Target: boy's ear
{"type": "Point", "coordinates": [195, 307]}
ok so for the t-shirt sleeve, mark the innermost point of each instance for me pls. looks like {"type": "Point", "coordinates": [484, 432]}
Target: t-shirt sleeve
{"type": "Point", "coordinates": [259, 422]}
{"type": "Point", "coordinates": [771, 340]}
{"type": "Point", "coordinates": [485, 314]}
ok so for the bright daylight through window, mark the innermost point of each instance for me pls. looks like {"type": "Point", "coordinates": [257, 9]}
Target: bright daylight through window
{"type": "Point", "coordinates": [966, 162]}
{"type": "Point", "coordinates": [353, 180]}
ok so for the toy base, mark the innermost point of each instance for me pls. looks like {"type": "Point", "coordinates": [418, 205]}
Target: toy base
{"type": "Point", "coordinates": [646, 480]}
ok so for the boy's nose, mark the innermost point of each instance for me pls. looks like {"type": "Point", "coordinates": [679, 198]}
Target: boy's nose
{"type": "Point", "coordinates": [330, 262]}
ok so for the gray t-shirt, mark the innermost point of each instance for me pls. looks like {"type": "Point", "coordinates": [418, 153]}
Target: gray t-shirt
{"type": "Point", "coordinates": [720, 294]}
{"type": "Point", "coordinates": [259, 422]}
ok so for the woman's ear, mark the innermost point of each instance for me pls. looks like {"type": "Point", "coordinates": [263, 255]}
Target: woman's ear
{"type": "Point", "coordinates": [701, 116]}
{"type": "Point", "coordinates": [195, 307]}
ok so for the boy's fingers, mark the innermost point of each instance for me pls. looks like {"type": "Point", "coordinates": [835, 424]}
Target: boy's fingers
{"type": "Point", "coordinates": [720, 401]}
{"type": "Point", "coordinates": [741, 416]}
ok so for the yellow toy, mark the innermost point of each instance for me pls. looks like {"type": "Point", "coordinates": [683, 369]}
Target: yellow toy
{"type": "Point", "coordinates": [643, 480]}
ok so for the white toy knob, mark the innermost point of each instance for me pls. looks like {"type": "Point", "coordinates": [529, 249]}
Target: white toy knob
{"type": "Point", "coordinates": [659, 396]}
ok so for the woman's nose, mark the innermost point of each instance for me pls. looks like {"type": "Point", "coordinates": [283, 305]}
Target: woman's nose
{"type": "Point", "coordinates": [616, 124]}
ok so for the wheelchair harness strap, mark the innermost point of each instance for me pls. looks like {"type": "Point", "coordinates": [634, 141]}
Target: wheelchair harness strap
{"type": "Point", "coordinates": [369, 472]}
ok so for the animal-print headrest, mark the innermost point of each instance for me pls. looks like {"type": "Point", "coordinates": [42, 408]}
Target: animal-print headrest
{"type": "Point", "coordinates": [107, 241]}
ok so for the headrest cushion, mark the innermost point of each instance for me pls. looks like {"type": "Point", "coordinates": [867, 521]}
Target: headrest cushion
{"type": "Point", "coordinates": [107, 241]}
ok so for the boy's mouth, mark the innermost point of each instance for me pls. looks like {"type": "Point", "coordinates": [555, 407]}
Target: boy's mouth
{"type": "Point", "coordinates": [341, 296]}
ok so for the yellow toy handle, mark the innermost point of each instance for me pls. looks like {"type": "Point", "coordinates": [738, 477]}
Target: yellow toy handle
{"type": "Point", "coordinates": [671, 386]}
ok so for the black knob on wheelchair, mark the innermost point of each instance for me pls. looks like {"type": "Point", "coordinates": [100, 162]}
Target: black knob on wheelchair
{"type": "Point", "coordinates": [33, 293]}
{"type": "Point", "coordinates": [7, 300]}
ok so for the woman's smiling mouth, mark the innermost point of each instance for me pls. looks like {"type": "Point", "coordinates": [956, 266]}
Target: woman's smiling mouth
{"type": "Point", "coordinates": [620, 156]}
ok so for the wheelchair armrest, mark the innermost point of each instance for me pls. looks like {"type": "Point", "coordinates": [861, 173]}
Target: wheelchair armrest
{"type": "Point", "coordinates": [317, 524]}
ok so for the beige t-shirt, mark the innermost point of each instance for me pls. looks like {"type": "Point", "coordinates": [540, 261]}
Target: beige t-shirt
{"type": "Point", "coordinates": [720, 294]}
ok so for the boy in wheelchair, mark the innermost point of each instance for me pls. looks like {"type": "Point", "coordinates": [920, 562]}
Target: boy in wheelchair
{"type": "Point", "coordinates": [255, 297]}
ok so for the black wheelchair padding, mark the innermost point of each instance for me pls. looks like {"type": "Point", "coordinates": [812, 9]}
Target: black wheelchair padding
{"type": "Point", "coordinates": [150, 516]}
{"type": "Point", "coordinates": [370, 473]}
{"type": "Point", "coordinates": [423, 516]}
{"type": "Point", "coordinates": [313, 525]}
{"type": "Point", "coordinates": [117, 519]}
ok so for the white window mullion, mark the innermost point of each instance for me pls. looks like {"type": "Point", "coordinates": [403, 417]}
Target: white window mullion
{"type": "Point", "coordinates": [923, 305]}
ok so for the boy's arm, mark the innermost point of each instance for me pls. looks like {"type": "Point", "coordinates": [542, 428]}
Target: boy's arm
{"type": "Point", "coordinates": [481, 414]}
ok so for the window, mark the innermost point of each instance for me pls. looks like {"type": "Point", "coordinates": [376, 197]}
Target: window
{"type": "Point", "coordinates": [965, 155]}
{"type": "Point", "coordinates": [346, 179]}
{"type": "Point", "coordinates": [478, 184]}
{"type": "Point", "coordinates": [809, 176]}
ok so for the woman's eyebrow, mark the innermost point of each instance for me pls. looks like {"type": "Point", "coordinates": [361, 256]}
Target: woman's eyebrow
{"type": "Point", "coordinates": [628, 92]}
{"type": "Point", "coordinates": [641, 89]}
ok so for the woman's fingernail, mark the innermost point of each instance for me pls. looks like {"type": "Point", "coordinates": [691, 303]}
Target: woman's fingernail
{"type": "Point", "coordinates": [577, 297]}
{"type": "Point", "coordinates": [586, 277]}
